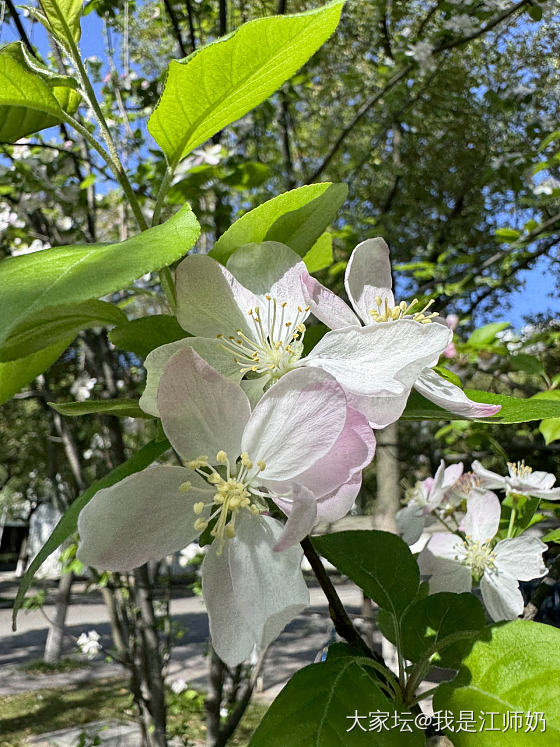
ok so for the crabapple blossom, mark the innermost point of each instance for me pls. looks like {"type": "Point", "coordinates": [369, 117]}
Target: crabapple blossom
{"type": "Point", "coordinates": [453, 562]}
{"type": "Point", "coordinates": [301, 448]}
{"type": "Point", "coordinates": [521, 480]}
{"type": "Point", "coordinates": [88, 643]}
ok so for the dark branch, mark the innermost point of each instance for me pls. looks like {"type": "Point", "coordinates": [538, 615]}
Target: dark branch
{"type": "Point", "coordinates": [176, 27]}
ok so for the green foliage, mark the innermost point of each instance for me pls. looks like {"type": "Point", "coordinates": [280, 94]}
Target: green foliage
{"type": "Point", "coordinates": [514, 410]}
{"type": "Point", "coordinates": [296, 218]}
{"type": "Point", "coordinates": [142, 335]}
{"type": "Point", "coordinates": [58, 323]}
{"type": "Point", "coordinates": [63, 15]}
{"type": "Point", "coordinates": [487, 334]}
{"type": "Point", "coordinates": [317, 706]}
{"type": "Point", "coordinates": [550, 426]}
{"type": "Point", "coordinates": [122, 408]}
{"type": "Point", "coordinates": [14, 375]}
{"type": "Point", "coordinates": [320, 256]}
{"type": "Point", "coordinates": [71, 274]}
{"type": "Point", "coordinates": [31, 97]}
{"type": "Point", "coordinates": [224, 80]}
{"type": "Point", "coordinates": [67, 525]}
{"type": "Point", "coordinates": [516, 669]}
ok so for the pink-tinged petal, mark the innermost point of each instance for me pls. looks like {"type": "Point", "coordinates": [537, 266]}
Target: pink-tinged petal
{"type": "Point", "coordinates": [326, 306]}
{"type": "Point", "coordinates": [379, 411]}
{"type": "Point", "coordinates": [450, 351]}
{"type": "Point", "coordinates": [368, 276]}
{"type": "Point", "coordinates": [482, 519]}
{"type": "Point", "coordinates": [410, 522]}
{"type": "Point", "coordinates": [335, 505]}
{"type": "Point", "coordinates": [297, 422]}
{"type": "Point", "coordinates": [144, 517]}
{"type": "Point", "coordinates": [501, 596]}
{"type": "Point", "coordinates": [251, 592]}
{"type": "Point", "coordinates": [487, 478]}
{"type": "Point", "coordinates": [301, 518]}
{"type": "Point", "coordinates": [211, 350]}
{"type": "Point", "coordinates": [453, 399]}
{"type": "Point", "coordinates": [521, 557]}
{"type": "Point", "coordinates": [381, 360]}
{"type": "Point", "coordinates": [201, 411]}
{"type": "Point", "coordinates": [451, 475]}
{"type": "Point", "coordinates": [210, 301]}
{"type": "Point", "coordinates": [452, 320]}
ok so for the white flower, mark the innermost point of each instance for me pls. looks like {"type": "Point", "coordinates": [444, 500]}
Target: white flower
{"type": "Point", "coordinates": [425, 497]}
{"type": "Point", "coordinates": [421, 52]}
{"type": "Point", "coordinates": [413, 337]}
{"type": "Point", "coordinates": [190, 552]}
{"type": "Point", "coordinates": [179, 685]}
{"type": "Point", "coordinates": [452, 562]}
{"type": "Point", "coordinates": [521, 479]}
{"type": "Point", "coordinates": [461, 24]}
{"type": "Point", "coordinates": [88, 643]}
{"type": "Point", "coordinates": [82, 386]}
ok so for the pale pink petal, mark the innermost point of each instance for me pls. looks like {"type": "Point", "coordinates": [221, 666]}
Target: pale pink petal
{"type": "Point", "coordinates": [487, 478]}
{"type": "Point", "coordinates": [453, 399]}
{"type": "Point", "coordinates": [301, 518]}
{"type": "Point", "coordinates": [335, 505]}
{"type": "Point", "coordinates": [297, 422]}
{"type": "Point", "coordinates": [501, 596]}
{"type": "Point", "coordinates": [451, 475]}
{"type": "Point", "coordinates": [368, 276]}
{"type": "Point", "coordinates": [452, 320]}
{"type": "Point", "coordinates": [327, 306]}
{"type": "Point", "coordinates": [482, 519]}
{"type": "Point", "coordinates": [379, 411]}
{"type": "Point", "coordinates": [521, 557]}
{"type": "Point", "coordinates": [201, 411]}
{"type": "Point", "coordinates": [210, 301]}
{"type": "Point", "coordinates": [144, 517]}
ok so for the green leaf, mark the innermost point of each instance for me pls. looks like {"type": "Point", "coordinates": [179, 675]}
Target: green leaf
{"type": "Point", "coordinates": [449, 375]}
{"type": "Point", "coordinates": [380, 563]}
{"type": "Point", "coordinates": [527, 363]}
{"type": "Point", "coordinates": [317, 707]}
{"type": "Point", "coordinates": [535, 12]}
{"type": "Point", "coordinates": [515, 670]}
{"type": "Point", "coordinates": [14, 375]}
{"type": "Point", "coordinates": [69, 522]}
{"type": "Point", "coordinates": [122, 408]}
{"type": "Point", "coordinates": [71, 274]}
{"type": "Point", "coordinates": [429, 624]}
{"type": "Point", "coordinates": [58, 323]}
{"type": "Point", "coordinates": [553, 536]}
{"type": "Point", "coordinates": [320, 256]}
{"type": "Point", "coordinates": [141, 336]}
{"type": "Point", "coordinates": [487, 334]}
{"type": "Point", "coordinates": [513, 410]}
{"type": "Point", "coordinates": [63, 15]}
{"type": "Point", "coordinates": [316, 203]}
{"type": "Point", "coordinates": [506, 234]}
{"type": "Point", "coordinates": [31, 97]}
{"type": "Point", "coordinates": [550, 429]}
{"type": "Point", "coordinates": [224, 80]}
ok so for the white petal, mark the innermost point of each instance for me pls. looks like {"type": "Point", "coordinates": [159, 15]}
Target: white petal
{"type": "Point", "coordinates": [210, 301]}
{"type": "Point", "coordinates": [487, 478]}
{"type": "Point", "coordinates": [297, 421]}
{"type": "Point", "coordinates": [441, 560]}
{"type": "Point", "coordinates": [482, 519]}
{"type": "Point", "coordinates": [301, 519]}
{"type": "Point", "coordinates": [211, 350]}
{"type": "Point", "coordinates": [326, 306]}
{"type": "Point", "coordinates": [410, 523]}
{"type": "Point", "coordinates": [453, 399]}
{"type": "Point", "coordinates": [521, 557]}
{"type": "Point", "coordinates": [451, 475]}
{"type": "Point", "coordinates": [335, 505]}
{"type": "Point", "coordinates": [379, 411]}
{"type": "Point", "coordinates": [201, 411]}
{"type": "Point", "coordinates": [143, 517]}
{"type": "Point", "coordinates": [501, 596]}
{"type": "Point", "coordinates": [251, 592]}
{"type": "Point", "coordinates": [368, 275]}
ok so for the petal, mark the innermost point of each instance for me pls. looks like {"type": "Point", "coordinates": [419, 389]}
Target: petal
{"type": "Point", "coordinates": [250, 591]}
{"type": "Point", "coordinates": [384, 359]}
{"type": "Point", "coordinates": [208, 348]}
{"type": "Point", "coordinates": [501, 596]}
{"type": "Point", "coordinates": [487, 478]}
{"type": "Point", "coordinates": [451, 475]}
{"type": "Point", "coordinates": [521, 557]}
{"type": "Point", "coordinates": [335, 505]}
{"type": "Point", "coordinates": [301, 519]}
{"type": "Point", "coordinates": [210, 301]}
{"type": "Point", "coordinates": [143, 517]}
{"type": "Point", "coordinates": [253, 388]}
{"type": "Point", "coordinates": [379, 411]}
{"type": "Point", "coordinates": [297, 421]}
{"type": "Point", "coordinates": [482, 519]}
{"type": "Point", "coordinates": [453, 399]}
{"type": "Point", "coordinates": [201, 411]}
{"type": "Point", "coordinates": [441, 560]}
{"type": "Point", "coordinates": [368, 276]}
{"type": "Point", "coordinates": [327, 306]}
{"type": "Point", "coordinates": [410, 523]}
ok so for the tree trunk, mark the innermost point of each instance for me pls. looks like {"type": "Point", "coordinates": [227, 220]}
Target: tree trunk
{"type": "Point", "coordinates": [55, 636]}
{"type": "Point", "coordinates": [388, 488]}
{"type": "Point", "coordinates": [213, 701]}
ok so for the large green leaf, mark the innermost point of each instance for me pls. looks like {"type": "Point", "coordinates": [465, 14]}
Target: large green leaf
{"type": "Point", "coordinates": [141, 336]}
{"type": "Point", "coordinates": [296, 218]}
{"type": "Point", "coordinates": [72, 274]}
{"type": "Point", "coordinates": [222, 81]}
{"type": "Point", "coordinates": [513, 410]}
{"type": "Point", "coordinates": [58, 323]}
{"type": "Point", "coordinates": [380, 563]}
{"type": "Point", "coordinates": [317, 708]}
{"type": "Point", "coordinates": [62, 15]}
{"type": "Point", "coordinates": [31, 98]}
{"type": "Point", "coordinates": [320, 256]}
{"type": "Point", "coordinates": [119, 407]}
{"type": "Point", "coordinates": [517, 669]}
{"type": "Point", "coordinates": [69, 522]}
{"type": "Point", "coordinates": [14, 375]}
{"type": "Point", "coordinates": [487, 334]}
{"type": "Point", "coordinates": [549, 427]}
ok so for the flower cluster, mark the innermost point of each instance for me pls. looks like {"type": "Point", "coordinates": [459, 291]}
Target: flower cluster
{"type": "Point", "coordinates": [272, 438]}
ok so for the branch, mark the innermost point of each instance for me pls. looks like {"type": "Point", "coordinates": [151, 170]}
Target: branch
{"type": "Point", "coordinates": [191, 25]}
{"type": "Point", "coordinates": [176, 27]}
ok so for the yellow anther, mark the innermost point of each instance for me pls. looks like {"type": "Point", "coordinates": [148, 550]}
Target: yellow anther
{"type": "Point", "coordinates": [284, 304]}
{"type": "Point", "coordinates": [301, 327]}
{"type": "Point", "coordinates": [201, 461]}
{"type": "Point", "coordinates": [245, 461]}
{"type": "Point", "coordinates": [378, 300]}
{"type": "Point", "coordinates": [268, 297]}
{"type": "Point", "coordinates": [221, 457]}
{"type": "Point", "coordinates": [185, 487]}
{"type": "Point", "coordinates": [250, 312]}
{"type": "Point", "coordinates": [288, 324]}
{"type": "Point", "coordinates": [300, 309]}
{"type": "Point", "coordinates": [307, 308]}
{"type": "Point", "coordinates": [219, 336]}
{"type": "Point", "coordinates": [254, 509]}
{"type": "Point", "coordinates": [198, 508]}
{"type": "Point", "coordinates": [230, 531]}
{"type": "Point", "coordinates": [200, 525]}
{"type": "Point", "coordinates": [261, 465]}
{"type": "Point", "coordinates": [256, 368]}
